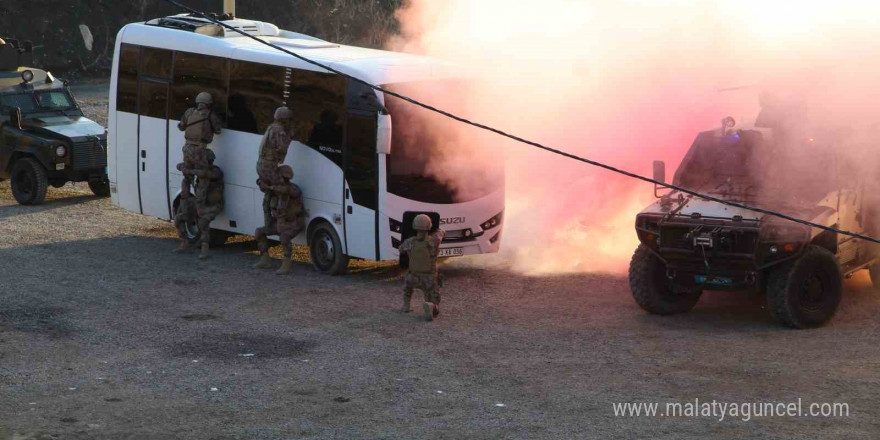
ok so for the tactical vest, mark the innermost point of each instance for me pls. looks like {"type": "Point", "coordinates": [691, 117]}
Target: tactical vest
{"type": "Point", "coordinates": [270, 152]}
{"type": "Point", "coordinates": [287, 207]}
{"type": "Point", "coordinates": [420, 260]}
{"type": "Point", "coordinates": [198, 127]}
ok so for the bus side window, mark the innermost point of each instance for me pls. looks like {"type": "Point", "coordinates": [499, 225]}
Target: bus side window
{"type": "Point", "coordinates": [127, 87]}
{"type": "Point", "coordinates": [255, 91]}
{"type": "Point", "coordinates": [193, 74]}
{"type": "Point", "coordinates": [318, 104]}
{"type": "Point", "coordinates": [155, 62]}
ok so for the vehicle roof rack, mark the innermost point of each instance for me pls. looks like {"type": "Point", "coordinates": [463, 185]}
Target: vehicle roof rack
{"type": "Point", "coordinates": [200, 25]}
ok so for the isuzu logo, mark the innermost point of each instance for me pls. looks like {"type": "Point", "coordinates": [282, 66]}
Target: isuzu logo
{"type": "Point", "coordinates": [452, 221]}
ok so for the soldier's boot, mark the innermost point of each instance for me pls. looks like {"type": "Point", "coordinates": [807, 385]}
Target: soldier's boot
{"type": "Point", "coordinates": [183, 247]}
{"type": "Point", "coordinates": [286, 266]}
{"type": "Point", "coordinates": [206, 252]}
{"type": "Point", "coordinates": [265, 262]}
{"type": "Point", "coordinates": [429, 311]}
{"type": "Point", "coordinates": [436, 310]}
{"type": "Point", "coordinates": [406, 302]}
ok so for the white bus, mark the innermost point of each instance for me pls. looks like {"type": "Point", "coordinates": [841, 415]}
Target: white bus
{"type": "Point", "coordinates": [363, 181]}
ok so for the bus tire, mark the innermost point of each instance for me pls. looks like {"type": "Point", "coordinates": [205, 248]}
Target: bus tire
{"type": "Point", "coordinates": [805, 293]}
{"type": "Point", "coordinates": [325, 250]}
{"type": "Point", "coordinates": [29, 182]}
{"type": "Point", "coordinates": [653, 291]}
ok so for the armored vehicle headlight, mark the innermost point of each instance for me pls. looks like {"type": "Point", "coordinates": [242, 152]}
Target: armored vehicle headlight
{"type": "Point", "coordinates": [61, 151]}
{"type": "Point", "coordinates": [27, 76]}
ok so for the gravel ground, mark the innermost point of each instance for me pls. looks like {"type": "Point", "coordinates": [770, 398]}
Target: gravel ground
{"type": "Point", "coordinates": [105, 334]}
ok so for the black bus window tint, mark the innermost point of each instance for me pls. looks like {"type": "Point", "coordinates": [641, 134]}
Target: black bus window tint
{"type": "Point", "coordinates": [194, 74]}
{"type": "Point", "coordinates": [318, 104]}
{"type": "Point", "coordinates": [255, 91]}
{"type": "Point", "coordinates": [126, 80]}
{"type": "Point", "coordinates": [155, 62]}
{"type": "Point", "coordinates": [154, 99]}
{"type": "Point", "coordinates": [360, 160]}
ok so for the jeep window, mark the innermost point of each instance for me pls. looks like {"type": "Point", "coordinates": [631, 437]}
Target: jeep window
{"type": "Point", "coordinates": [55, 101]}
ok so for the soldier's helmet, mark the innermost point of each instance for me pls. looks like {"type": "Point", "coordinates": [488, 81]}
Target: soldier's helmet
{"type": "Point", "coordinates": [422, 223]}
{"type": "Point", "coordinates": [285, 171]}
{"type": "Point", "coordinates": [204, 98]}
{"type": "Point", "coordinates": [210, 156]}
{"type": "Point", "coordinates": [283, 113]}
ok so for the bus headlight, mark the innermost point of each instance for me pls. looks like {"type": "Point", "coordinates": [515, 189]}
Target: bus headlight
{"type": "Point", "coordinates": [27, 76]}
{"type": "Point", "coordinates": [61, 151]}
{"type": "Point", "coordinates": [492, 222]}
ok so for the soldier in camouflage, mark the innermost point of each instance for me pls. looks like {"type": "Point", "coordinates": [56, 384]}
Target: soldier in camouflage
{"type": "Point", "coordinates": [273, 150]}
{"type": "Point", "coordinates": [199, 125]}
{"type": "Point", "coordinates": [208, 204]}
{"type": "Point", "coordinates": [422, 252]}
{"type": "Point", "coordinates": [288, 219]}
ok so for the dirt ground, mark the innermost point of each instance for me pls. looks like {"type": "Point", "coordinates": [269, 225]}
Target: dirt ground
{"type": "Point", "coordinates": [105, 334]}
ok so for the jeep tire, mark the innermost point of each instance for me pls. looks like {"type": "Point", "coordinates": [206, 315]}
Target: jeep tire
{"type": "Point", "coordinates": [100, 188]}
{"type": "Point", "coordinates": [805, 293]}
{"type": "Point", "coordinates": [29, 182]}
{"type": "Point", "coordinates": [653, 291]}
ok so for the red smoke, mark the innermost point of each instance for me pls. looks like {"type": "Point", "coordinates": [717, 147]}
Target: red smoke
{"type": "Point", "coordinates": [622, 82]}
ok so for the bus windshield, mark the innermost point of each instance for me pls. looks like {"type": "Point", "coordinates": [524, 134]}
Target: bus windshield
{"type": "Point", "coordinates": [37, 102]}
{"type": "Point", "coordinates": [433, 159]}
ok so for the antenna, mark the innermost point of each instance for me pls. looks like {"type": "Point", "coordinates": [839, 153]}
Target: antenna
{"type": "Point", "coordinates": [229, 7]}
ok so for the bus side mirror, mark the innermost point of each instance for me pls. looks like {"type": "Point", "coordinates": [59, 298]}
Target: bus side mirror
{"type": "Point", "coordinates": [15, 117]}
{"type": "Point", "coordinates": [383, 135]}
{"type": "Point", "coordinates": [659, 175]}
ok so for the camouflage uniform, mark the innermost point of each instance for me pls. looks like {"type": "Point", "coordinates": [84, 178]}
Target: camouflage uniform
{"type": "Point", "coordinates": [422, 271]}
{"type": "Point", "coordinates": [273, 150]}
{"type": "Point", "coordinates": [186, 213]}
{"type": "Point", "coordinates": [203, 208]}
{"type": "Point", "coordinates": [199, 126]}
{"type": "Point", "coordinates": [288, 219]}
{"type": "Point", "coordinates": [209, 200]}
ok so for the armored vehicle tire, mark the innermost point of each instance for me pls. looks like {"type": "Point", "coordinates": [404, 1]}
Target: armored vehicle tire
{"type": "Point", "coordinates": [806, 292]}
{"type": "Point", "coordinates": [101, 189]}
{"type": "Point", "coordinates": [875, 274]}
{"type": "Point", "coordinates": [653, 291]}
{"type": "Point", "coordinates": [325, 249]}
{"type": "Point", "coordinates": [29, 182]}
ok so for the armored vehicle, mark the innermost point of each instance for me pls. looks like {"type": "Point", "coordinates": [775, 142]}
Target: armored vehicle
{"type": "Point", "coordinates": [45, 138]}
{"type": "Point", "coordinates": [689, 244]}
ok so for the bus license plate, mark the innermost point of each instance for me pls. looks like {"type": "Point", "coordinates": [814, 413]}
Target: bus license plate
{"type": "Point", "coordinates": [452, 252]}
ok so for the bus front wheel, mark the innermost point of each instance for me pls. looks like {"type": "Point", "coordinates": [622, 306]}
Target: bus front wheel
{"type": "Point", "coordinates": [326, 250]}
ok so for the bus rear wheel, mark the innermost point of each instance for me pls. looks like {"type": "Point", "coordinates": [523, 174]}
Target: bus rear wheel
{"type": "Point", "coordinates": [325, 249]}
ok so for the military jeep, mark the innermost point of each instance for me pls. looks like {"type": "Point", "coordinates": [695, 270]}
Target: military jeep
{"type": "Point", "coordinates": [44, 137]}
{"type": "Point", "coordinates": [690, 245]}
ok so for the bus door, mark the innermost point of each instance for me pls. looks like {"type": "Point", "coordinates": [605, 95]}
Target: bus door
{"type": "Point", "coordinates": [153, 147]}
{"type": "Point", "coordinates": [361, 185]}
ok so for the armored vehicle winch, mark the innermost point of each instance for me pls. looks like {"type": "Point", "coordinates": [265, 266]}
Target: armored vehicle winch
{"type": "Point", "coordinates": [44, 137]}
{"type": "Point", "coordinates": [690, 244]}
